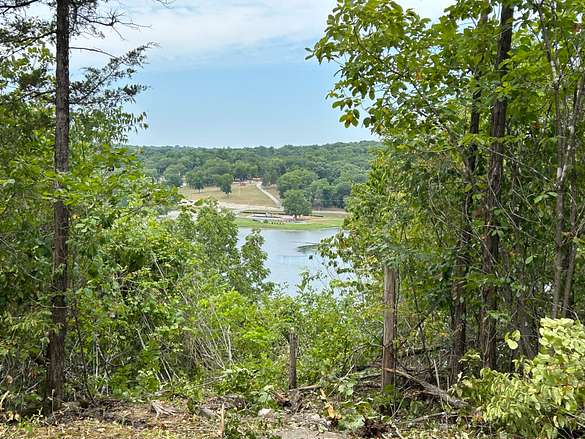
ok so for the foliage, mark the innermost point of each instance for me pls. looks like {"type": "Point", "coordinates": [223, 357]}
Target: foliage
{"type": "Point", "coordinates": [429, 88]}
{"type": "Point", "coordinates": [151, 299]}
{"type": "Point", "coordinates": [164, 302]}
{"type": "Point", "coordinates": [225, 183]}
{"type": "Point", "coordinates": [295, 203]}
{"type": "Point", "coordinates": [335, 333]}
{"type": "Point", "coordinates": [195, 180]}
{"type": "Point", "coordinates": [546, 396]}
{"type": "Point", "coordinates": [299, 179]}
{"type": "Point", "coordinates": [172, 176]}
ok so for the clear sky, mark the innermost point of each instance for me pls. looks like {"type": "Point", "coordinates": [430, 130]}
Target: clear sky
{"type": "Point", "coordinates": [233, 72]}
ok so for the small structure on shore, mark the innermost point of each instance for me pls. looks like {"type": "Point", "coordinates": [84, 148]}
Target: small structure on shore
{"type": "Point", "coordinates": [273, 219]}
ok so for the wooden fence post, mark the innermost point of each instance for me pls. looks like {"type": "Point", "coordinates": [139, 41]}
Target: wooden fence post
{"type": "Point", "coordinates": [293, 342]}
{"type": "Point", "coordinates": [388, 355]}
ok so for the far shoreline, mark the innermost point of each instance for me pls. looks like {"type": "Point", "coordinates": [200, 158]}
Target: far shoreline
{"type": "Point", "coordinates": [314, 224]}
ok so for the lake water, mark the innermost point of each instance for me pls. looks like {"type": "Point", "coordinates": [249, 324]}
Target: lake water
{"type": "Point", "coordinates": [287, 259]}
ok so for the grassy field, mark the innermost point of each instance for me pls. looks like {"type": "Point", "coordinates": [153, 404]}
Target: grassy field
{"type": "Point", "coordinates": [314, 223]}
{"type": "Point", "coordinates": [273, 190]}
{"type": "Point", "coordinates": [248, 194]}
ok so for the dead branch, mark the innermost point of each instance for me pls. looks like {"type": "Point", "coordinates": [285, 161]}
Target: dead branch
{"type": "Point", "coordinates": [431, 389]}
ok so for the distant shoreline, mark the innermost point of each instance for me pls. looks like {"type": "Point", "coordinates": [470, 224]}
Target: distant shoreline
{"type": "Point", "coordinates": [319, 224]}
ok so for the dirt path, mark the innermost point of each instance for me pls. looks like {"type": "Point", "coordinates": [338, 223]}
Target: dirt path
{"type": "Point", "coordinates": [269, 195]}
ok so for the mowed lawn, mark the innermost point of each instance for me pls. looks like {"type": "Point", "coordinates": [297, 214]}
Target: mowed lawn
{"type": "Point", "coordinates": [312, 223]}
{"type": "Point", "coordinates": [248, 194]}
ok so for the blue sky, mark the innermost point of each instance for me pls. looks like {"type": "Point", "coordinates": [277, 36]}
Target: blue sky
{"type": "Point", "coordinates": [232, 72]}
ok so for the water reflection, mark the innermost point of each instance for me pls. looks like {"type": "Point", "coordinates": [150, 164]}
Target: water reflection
{"type": "Point", "coordinates": [291, 252]}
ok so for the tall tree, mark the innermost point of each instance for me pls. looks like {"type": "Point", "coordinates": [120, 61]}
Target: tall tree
{"type": "Point", "coordinates": [462, 264]}
{"type": "Point", "coordinates": [95, 93]}
{"type": "Point", "coordinates": [493, 193]}
{"type": "Point", "coordinates": [225, 182]}
{"type": "Point", "coordinates": [56, 348]}
{"type": "Point", "coordinates": [295, 203]}
{"type": "Point", "coordinates": [561, 36]}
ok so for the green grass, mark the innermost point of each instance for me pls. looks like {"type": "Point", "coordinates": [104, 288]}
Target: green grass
{"type": "Point", "coordinates": [312, 224]}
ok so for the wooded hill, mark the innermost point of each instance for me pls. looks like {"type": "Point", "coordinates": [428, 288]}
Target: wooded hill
{"type": "Point", "coordinates": [326, 173]}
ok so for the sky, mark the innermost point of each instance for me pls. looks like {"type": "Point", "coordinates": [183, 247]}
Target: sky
{"type": "Point", "coordinates": [232, 73]}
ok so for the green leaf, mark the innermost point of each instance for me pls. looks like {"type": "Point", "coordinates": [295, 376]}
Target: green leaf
{"type": "Point", "coordinates": [512, 339]}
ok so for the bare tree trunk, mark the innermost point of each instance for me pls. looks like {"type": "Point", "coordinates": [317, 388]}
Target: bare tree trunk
{"type": "Point", "coordinates": [566, 252]}
{"type": "Point", "coordinates": [492, 199]}
{"type": "Point", "coordinates": [572, 248]}
{"type": "Point", "coordinates": [560, 247]}
{"type": "Point", "coordinates": [388, 354]}
{"type": "Point", "coordinates": [56, 350]}
{"type": "Point", "coordinates": [566, 120]}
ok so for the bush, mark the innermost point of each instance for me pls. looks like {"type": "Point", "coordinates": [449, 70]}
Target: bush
{"type": "Point", "coordinates": [547, 396]}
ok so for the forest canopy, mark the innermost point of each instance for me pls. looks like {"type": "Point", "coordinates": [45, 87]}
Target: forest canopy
{"type": "Point", "coordinates": [325, 173]}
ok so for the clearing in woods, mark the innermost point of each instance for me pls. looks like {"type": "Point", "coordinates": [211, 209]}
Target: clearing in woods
{"type": "Point", "coordinates": [244, 194]}
{"type": "Point", "coordinates": [250, 197]}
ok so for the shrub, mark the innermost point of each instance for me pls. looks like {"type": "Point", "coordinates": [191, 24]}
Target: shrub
{"type": "Point", "coordinates": [546, 396]}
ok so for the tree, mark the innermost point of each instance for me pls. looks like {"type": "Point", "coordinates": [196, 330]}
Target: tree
{"type": "Point", "coordinates": [333, 163]}
{"type": "Point", "coordinates": [172, 176]}
{"type": "Point", "coordinates": [243, 170]}
{"type": "Point", "coordinates": [341, 191]}
{"type": "Point", "coordinates": [321, 193]}
{"type": "Point", "coordinates": [252, 271]}
{"type": "Point", "coordinates": [25, 33]}
{"type": "Point", "coordinates": [217, 166]}
{"type": "Point", "coordinates": [416, 81]}
{"type": "Point", "coordinates": [493, 192]}
{"type": "Point", "coordinates": [225, 182]}
{"type": "Point", "coordinates": [56, 350]}
{"type": "Point", "coordinates": [561, 37]}
{"type": "Point", "coordinates": [195, 180]}
{"type": "Point", "coordinates": [296, 203]}
{"type": "Point", "coordinates": [297, 179]}
{"type": "Point", "coordinates": [269, 177]}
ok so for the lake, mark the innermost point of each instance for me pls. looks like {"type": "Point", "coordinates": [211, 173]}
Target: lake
{"type": "Point", "coordinates": [288, 257]}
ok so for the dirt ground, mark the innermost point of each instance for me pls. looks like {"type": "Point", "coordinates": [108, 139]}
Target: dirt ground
{"type": "Point", "coordinates": [217, 418]}
{"type": "Point", "coordinates": [117, 420]}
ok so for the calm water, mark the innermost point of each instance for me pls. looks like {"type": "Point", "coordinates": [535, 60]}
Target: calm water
{"type": "Point", "coordinates": [287, 259]}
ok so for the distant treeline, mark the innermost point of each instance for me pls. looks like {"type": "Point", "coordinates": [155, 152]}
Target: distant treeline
{"type": "Point", "coordinates": [325, 173]}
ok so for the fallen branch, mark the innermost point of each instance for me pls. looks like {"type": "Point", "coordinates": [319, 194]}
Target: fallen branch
{"type": "Point", "coordinates": [431, 389]}
{"type": "Point", "coordinates": [425, 418]}
{"type": "Point", "coordinates": [308, 388]}
{"type": "Point", "coordinates": [158, 408]}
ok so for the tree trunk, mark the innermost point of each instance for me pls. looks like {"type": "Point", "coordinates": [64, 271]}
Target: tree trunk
{"type": "Point", "coordinates": [464, 250]}
{"type": "Point", "coordinates": [388, 354]}
{"type": "Point", "coordinates": [492, 198]}
{"type": "Point", "coordinates": [56, 350]}
{"type": "Point", "coordinates": [565, 250]}
{"type": "Point", "coordinates": [560, 247]}
{"type": "Point", "coordinates": [572, 248]}
{"type": "Point", "coordinates": [461, 268]}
